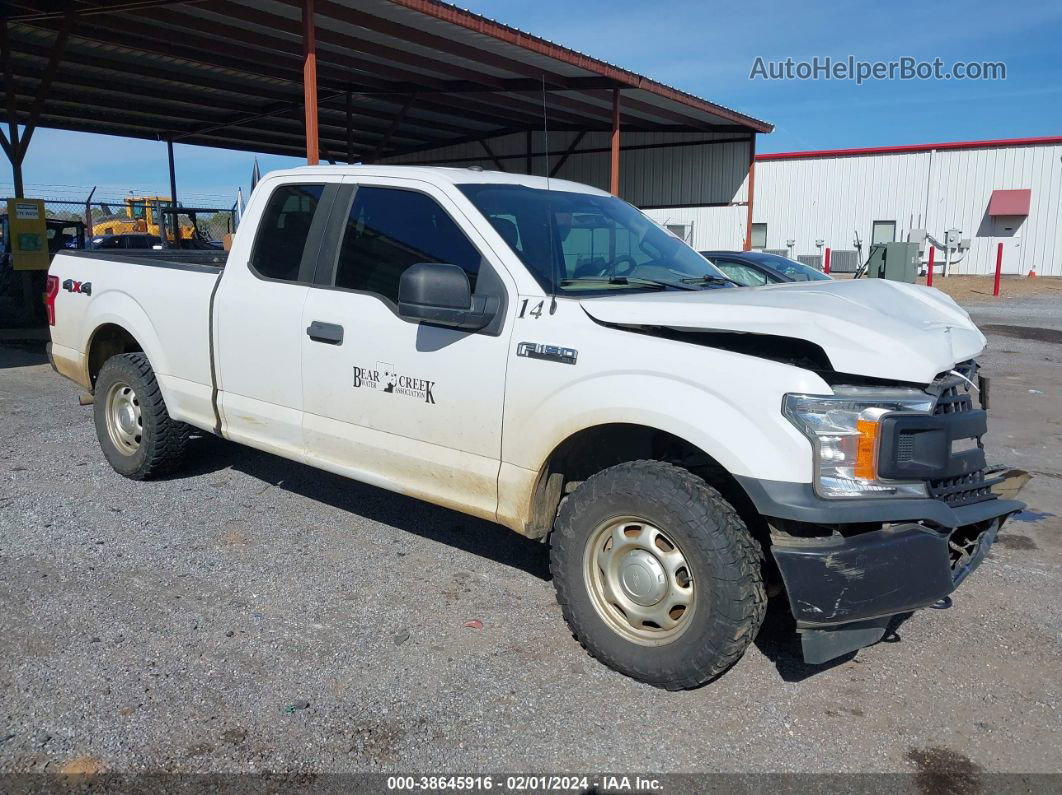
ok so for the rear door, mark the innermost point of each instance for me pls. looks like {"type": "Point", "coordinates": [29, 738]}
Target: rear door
{"type": "Point", "coordinates": [258, 317]}
{"type": "Point", "coordinates": [406, 406]}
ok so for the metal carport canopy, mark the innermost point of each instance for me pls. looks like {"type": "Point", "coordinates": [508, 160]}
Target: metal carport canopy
{"type": "Point", "coordinates": [346, 80]}
{"type": "Point", "coordinates": [392, 76]}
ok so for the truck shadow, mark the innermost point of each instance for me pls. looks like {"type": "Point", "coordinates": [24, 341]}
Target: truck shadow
{"type": "Point", "coordinates": [779, 642]}
{"type": "Point", "coordinates": [22, 353]}
{"type": "Point", "coordinates": [209, 454]}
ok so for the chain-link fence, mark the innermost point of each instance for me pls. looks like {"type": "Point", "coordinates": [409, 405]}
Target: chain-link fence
{"type": "Point", "coordinates": [131, 223]}
{"type": "Point", "coordinates": [136, 222]}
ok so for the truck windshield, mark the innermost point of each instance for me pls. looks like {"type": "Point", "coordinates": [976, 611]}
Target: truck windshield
{"type": "Point", "coordinates": [580, 242]}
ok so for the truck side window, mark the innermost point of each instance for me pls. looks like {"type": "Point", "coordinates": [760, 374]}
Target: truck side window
{"type": "Point", "coordinates": [388, 230]}
{"type": "Point", "coordinates": [282, 232]}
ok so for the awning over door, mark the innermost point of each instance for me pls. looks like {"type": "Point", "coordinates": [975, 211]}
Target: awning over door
{"type": "Point", "coordinates": [1010, 202]}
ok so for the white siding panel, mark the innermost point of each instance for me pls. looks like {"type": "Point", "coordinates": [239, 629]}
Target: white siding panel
{"type": "Point", "coordinates": [718, 228]}
{"type": "Point", "coordinates": [665, 176]}
{"type": "Point", "coordinates": [833, 198]}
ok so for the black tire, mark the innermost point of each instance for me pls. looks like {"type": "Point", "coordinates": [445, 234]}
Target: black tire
{"type": "Point", "coordinates": [160, 444]}
{"type": "Point", "coordinates": [723, 560]}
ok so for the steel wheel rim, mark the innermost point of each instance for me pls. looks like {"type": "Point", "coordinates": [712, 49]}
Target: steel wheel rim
{"type": "Point", "coordinates": [639, 581]}
{"type": "Point", "coordinates": [125, 423]}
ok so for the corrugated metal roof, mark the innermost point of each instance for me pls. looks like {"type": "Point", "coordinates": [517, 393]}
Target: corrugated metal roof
{"type": "Point", "coordinates": [229, 73]}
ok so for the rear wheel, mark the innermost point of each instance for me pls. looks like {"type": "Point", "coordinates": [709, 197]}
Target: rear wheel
{"type": "Point", "coordinates": [138, 437]}
{"type": "Point", "coordinates": [657, 575]}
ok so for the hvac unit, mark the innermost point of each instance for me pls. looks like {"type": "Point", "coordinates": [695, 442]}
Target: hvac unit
{"type": "Point", "coordinates": [814, 260]}
{"type": "Point", "coordinates": [778, 252]}
{"type": "Point", "coordinates": [844, 261]}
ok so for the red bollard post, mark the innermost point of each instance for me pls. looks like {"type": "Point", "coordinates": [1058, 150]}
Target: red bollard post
{"type": "Point", "coordinates": [999, 269]}
{"type": "Point", "coordinates": [929, 267]}
{"type": "Point", "coordinates": [826, 263]}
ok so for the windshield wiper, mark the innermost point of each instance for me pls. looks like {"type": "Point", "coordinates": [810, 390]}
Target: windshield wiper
{"type": "Point", "coordinates": [708, 279]}
{"type": "Point", "coordinates": [635, 281]}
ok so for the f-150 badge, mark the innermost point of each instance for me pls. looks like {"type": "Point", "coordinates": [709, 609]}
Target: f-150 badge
{"type": "Point", "coordinates": [551, 353]}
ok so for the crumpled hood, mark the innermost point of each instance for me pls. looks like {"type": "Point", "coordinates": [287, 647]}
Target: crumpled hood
{"type": "Point", "coordinates": [868, 327]}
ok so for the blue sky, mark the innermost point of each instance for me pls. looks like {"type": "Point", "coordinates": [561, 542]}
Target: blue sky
{"type": "Point", "coordinates": [707, 49]}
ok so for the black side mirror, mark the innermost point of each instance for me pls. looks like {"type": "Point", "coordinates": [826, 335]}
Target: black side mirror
{"type": "Point", "coordinates": [439, 294]}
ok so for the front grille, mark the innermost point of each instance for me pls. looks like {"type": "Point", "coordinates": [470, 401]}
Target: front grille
{"type": "Point", "coordinates": [953, 397]}
{"type": "Point", "coordinates": [953, 391]}
{"type": "Point", "coordinates": [963, 490]}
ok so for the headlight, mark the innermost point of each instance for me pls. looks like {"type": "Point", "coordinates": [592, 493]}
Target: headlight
{"type": "Point", "coordinates": [844, 432]}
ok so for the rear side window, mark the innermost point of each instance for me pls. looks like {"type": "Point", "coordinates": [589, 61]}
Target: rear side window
{"type": "Point", "coordinates": [282, 231]}
{"type": "Point", "coordinates": [390, 229]}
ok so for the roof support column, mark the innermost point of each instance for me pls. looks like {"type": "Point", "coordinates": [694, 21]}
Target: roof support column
{"type": "Point", "coordinates": [13, 145]}
{"type": "Point", "coordinates": [174, 219]}
{"type": "Point", "coordinates": [10, 141]}
{"type": "Point", "coordinates": [309, 82]}
{"type": "Point", "coordinates": [752, 193]}
{"type": "Point", "coordinates": [350, 129]}
{"type": "Point", "coordinates": [173, 172]}
{"type": "Point", "coordinates": [614, 170]}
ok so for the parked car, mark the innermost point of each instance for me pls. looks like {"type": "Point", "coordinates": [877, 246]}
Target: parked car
{"type": "Point", "coordinates": [540, 354]}
{"type": "Point", "coordinates": [755, 268]}
{"type": "Point", "coordinates": [129, 240]}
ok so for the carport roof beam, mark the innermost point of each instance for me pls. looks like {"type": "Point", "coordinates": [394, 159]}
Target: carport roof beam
{"type": "Point", "coordinates": [473, 78]}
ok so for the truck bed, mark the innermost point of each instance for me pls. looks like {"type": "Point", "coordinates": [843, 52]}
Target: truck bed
{"type": "Point", "coordinates": [162, 299]}
{"type": "Point", "coordinates": [192, 259]}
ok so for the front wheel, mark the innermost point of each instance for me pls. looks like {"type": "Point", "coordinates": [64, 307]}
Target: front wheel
{"type": "Point", "coordinates": [657, 575]}
{"type": "Point", "coordinates": [136, 433]}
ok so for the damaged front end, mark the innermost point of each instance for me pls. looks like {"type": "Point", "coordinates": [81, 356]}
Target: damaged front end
{"type": "Point", "coordinates": [851, 566]}
{"type": "Point", "coordinates": [844, 590]}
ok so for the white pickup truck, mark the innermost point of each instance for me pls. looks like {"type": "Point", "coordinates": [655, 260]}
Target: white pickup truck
{"type": "Point", "coordinates": [540, 354]}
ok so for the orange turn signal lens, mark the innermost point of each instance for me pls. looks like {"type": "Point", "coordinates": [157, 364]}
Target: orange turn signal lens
{"type": "Point", "coordinates": [866, 450]}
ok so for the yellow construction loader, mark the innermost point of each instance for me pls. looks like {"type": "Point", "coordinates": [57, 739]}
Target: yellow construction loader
{"type": "Point", "coordinates": [141, 216]}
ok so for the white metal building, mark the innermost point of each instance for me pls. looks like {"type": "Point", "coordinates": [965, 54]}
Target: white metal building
{"type": "Point", "coordinates": [1007, 191]}
{"type": "Point", "coordinates": [658, 169]}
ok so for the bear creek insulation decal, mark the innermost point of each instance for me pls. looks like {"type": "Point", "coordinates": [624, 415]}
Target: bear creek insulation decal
{"type": "Point", "coordinates": [384, 378]}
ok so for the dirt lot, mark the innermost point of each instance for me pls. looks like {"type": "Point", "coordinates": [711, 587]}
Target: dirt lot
{"type": "Point", "coordinates": [975, 289]}
{"type": "Point", "coordinates": [256, 615]}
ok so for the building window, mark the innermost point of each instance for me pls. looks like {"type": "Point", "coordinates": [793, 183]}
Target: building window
{"type": "Point", "coordinates": [883, 232]}
{"type": "Point", "coordinates": [759, 236]}
{"type": "Point", "coordinates": [678, 230]}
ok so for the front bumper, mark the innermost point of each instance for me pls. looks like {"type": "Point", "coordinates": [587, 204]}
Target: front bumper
{"type": "Point", "coordinates": [845, 586]}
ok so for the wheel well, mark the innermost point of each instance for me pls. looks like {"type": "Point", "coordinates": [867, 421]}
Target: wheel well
{"type": "Point", "coordinates": [107, 341]}
{"type": "Point", "coordinates": [593, 449]}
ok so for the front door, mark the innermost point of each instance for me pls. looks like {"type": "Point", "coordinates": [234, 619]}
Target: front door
{"type": "Point", "coordinates": [406, 406]}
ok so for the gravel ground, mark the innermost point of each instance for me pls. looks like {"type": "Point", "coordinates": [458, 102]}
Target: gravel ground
{"type": "Point", "coordinates": [258, 615]}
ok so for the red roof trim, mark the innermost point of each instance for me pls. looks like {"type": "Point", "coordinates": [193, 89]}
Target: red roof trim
{"type": "Point", "coordinates": [480, 24]}
{"type": "Point", "coordinates": [897, 150]}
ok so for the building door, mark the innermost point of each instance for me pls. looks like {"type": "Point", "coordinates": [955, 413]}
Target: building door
{"type": "Point", "coordinates": [1006, 229]}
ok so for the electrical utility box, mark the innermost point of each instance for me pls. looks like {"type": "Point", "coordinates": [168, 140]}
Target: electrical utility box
{"type": "Point", "coordinates": [898, 262]}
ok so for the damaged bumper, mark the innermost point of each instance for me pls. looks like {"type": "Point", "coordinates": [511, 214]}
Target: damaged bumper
{"type": "Point", "coordinates": [846, 587]}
